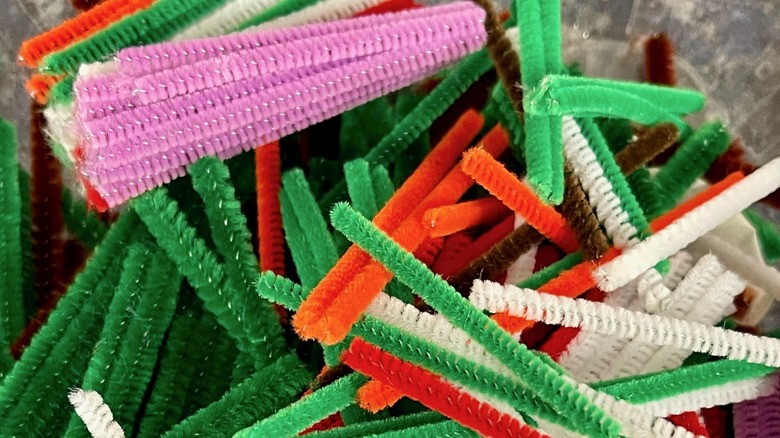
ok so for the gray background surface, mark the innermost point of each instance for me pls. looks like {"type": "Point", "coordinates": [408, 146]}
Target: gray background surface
{"type": "Point", "coordinates": [19, 20]}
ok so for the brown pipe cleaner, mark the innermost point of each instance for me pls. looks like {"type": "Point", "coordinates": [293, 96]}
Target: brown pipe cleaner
{"type": "Point", "coordinates": [84, 5]}
{"type": "Point", "coordinates": [498, 258]}
{"type": "Point", "coordinates": [329, 376]}
{"type": "Point", "coordinates": [47, 227]}
{"type": "Point", "coordinates": [659, 60]}
{"type": "Point", "coordinates": [46, 213]}
{"type": "Point", "coordinates": [659, 69]}
{"type": "Point", "coordinates": [504, 57]}
{"type": "Point", "coordinates": [648, 144]}
{"type": "Point", "coordinates": [579, 214]}
{"type": "Point", "coordinates": [734, 160]}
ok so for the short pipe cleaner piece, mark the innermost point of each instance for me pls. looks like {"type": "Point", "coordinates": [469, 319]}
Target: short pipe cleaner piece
{"type": "Point", "coordinates": [659, 60]}
{"type": "Point", "coordinates": [375, 396]}
{"type": "Point", "coordinates": [361, 191]}
{"type": "Point", "coordinates": [95, 414]}
{"type": "Point", "coordinates": [448, 220]}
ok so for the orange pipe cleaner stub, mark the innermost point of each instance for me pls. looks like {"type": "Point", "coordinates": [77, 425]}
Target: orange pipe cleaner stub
{"type": "Point", "coordinates": [375, 396]}
{"type": "Point", "coordinates": [448, 220]}
{"type": "Point", "coordinates": [39, 86]}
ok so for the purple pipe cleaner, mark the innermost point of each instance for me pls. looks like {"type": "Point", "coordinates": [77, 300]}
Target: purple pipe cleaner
{"type": "Point", "coordinates": [200, 81]}
{"type": "Point", "coordinates": [137, 61]}
{"type": "Point", "coordinates": [252, 107]}
{"type": "Point", "coordinates": [138, 135]}
{"type": "Point", "coordinates": [271, 59]}
{"type": "Point", "coordinates": [266, 130]}
{"type": "Point", "coordinates": [758, 418]}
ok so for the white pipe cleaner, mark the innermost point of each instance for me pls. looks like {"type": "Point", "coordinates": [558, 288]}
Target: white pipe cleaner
{"type": "Point", "coordinates": [95, 414]}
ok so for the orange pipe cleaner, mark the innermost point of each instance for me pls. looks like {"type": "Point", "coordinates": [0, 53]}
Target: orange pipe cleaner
{"type": "Point", "coordinates": [505, 186]}
{"type": "Point", "coordinates": [346, 306]}
{"type": "Point", "coordinates": [433, 168]}
{"type": "Point", "coordinates": [453, 218]}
